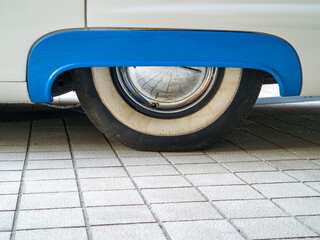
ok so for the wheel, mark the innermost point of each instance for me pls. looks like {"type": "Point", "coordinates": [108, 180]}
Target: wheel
{"type": "Point", "coordinates": [167, 108]}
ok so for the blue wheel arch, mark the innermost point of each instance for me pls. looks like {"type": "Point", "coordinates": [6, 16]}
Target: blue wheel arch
{"type": "Point", "coordinates": [63, 51]}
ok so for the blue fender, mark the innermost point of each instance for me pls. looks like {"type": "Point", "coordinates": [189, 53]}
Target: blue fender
{"type": "Point", "coordinates": [59, 52]}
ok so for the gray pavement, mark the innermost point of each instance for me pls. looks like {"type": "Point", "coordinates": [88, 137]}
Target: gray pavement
{"type": "Point", "coordinates": [60, 178]}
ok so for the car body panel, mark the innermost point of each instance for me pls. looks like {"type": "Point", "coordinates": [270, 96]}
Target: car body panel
{"type": "Point", "coordinates": [106, 48]}
{"type": "Point", "coordinates": [295, 21]}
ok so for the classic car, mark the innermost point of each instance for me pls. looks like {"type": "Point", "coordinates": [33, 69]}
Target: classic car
{"type": "Point", "coordinates": [170, 75]}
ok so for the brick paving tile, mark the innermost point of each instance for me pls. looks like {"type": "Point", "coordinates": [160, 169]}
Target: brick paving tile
{"type": "Point", "coordinates": [98, 162]}
{"type": "Point", "coordinates": [185, 211]}
{"type": "Point", "coordinates": [132, 161]}
{"type": "Point", "coordinates": [5, 235]}
{"type": "Point", "coordinates": [93, 154]}
{"type": "Point", "coordinates": [6, 176]}
{"type": "Point", "coordinates": [128, 232]}
{"type": "Point", "coordinates": [281, 190]}
{"type": "Point", "coordinates": [248, 166]}
{"type": "Point", "coordinates": [49, 164]}
{"type": "Point", "coordinates": [6, 220]}
{"type": "Point", "coordinates": [108, 198]}
{"type": "Point", "coordinates": [11, 165]}
{"type": "Point", "coordinates": [201, 168]}
{"type": "Point", "coordinates": [12, 156]}
{"type": "Point", "coordinates": [249, 209]}
{"type": "Point", "coordinates": [120, 215]}
{"type": "Point", "coordinates": [215, 179]}
{"type": "Point", "coordinates": [9, 187]}
{"type": "Point", "coordinates": [275, 155]}
{"type": "Point", "coordinates": [8, 202]}
{"type": "Point", "coordinates": [265, 228]}
{"type": "Point", "coordinates": [161, 182]}
{"type": "Point", "coordinates": [168, 195]}
{"type": "Point", "coordinates": [295, 164]}
{"type": "Point", "coordinates": [100, 184]}
{"type": "Point", "coordinates": [233, 157]}
{"type": "Point", "coordinates": [265, 177]}
{"type": "Point", "coordinates": [53, 218]}
{"type": "Point", "coordinates": [49, 155]}
{"type": "Point", "coordinates": [305, 175]}
{"type": "Point", "coordinates": [231, 193]}
{"type": "Point", "coordinates": [53, 234]}
{"type": "Point", "coordinates": [49, 200]}
{"type": "Point", "coordinates": [211, 229]}
{"type": "Point", "coordinates": [152, 170]}
{"type": "Point", "coordinates": [51, 174]}
{"type": "Point", "coordinates": [50, 186]}
{"type": "Point", "coordinates": [300, 206]}
{"type": "Point", "coordinates": [101, 172]}
{"type": "Point", "coordinates": [190, 159]}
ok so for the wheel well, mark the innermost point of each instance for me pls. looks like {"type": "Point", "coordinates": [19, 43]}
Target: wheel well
{"type": "Point", "coordinates": [63, 84]}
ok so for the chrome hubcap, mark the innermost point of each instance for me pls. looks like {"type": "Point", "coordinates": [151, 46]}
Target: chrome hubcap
{"type": "Point", "coordinates": [166, 89]}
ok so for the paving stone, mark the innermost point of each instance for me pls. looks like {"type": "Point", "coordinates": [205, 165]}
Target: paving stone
{"type": "Point", "coordinates": [53, 218]}
{"type": "Point", "coordinates": [102, 162]}
{"type": "Point", "coordinates": [128, 232]}
{"type": "Point", "coordinates": [185, 211]}
{"type": "Point", "coordinates": [124, 151]}
{"type": "Point", "coordinates": [249, 209]}
{"type": "Point", "coordinates": [11, 165]}
{"type": "Point", "coordinates": [265, 177]}
{"type": "Point", "coordinates": [215, 179]}
{"type": "Point", "coordinates": [12, 156]}
{"type": "Point", "coordinates": [101, 172]}
{"type": "Point", "coordinates": [90, 146]}
{"type": "Point", "coordinates": [51, 174]}
{"type": "Point", "coordinates": [6, 176]}
{"type": "Point", "coordinates": [49, 164]}
{"type": "Point", "coordinates": [9, 187]}
{"type": "Point", "coordinates": [49, 155]}
{"type": "Point", "coordinates": [5, 235]}
{"type": "Point", "coordinates": [132, 161]}
{"type": "Point", "coordinates": [161, 182]}
{"type": "Point", "coordinates": [152, 170]}
{"type": "Point", "coordinates": [300, 206]}
{"type": "Point", "coordinates": [109, 198]}
{"type": "Point", "coordinates": [281, 190]}
{"type": "Point", "coordinates": [275, 155]}
{"type": "Point", "coordinates": [295, 164]}
{"type": "Point", "coordinates": [195, 153]}
{"type": "Point", "coordinates": [311, 221]}
{"type": "Point", "coordinates": [168, 195]}
{"type": "Point", "coordinates": [93, 154]}
{"type": "Point", "coordinates": [201, 168]}
{"type": "Point", "coordinates": [248, 166]}
{"type": "Point", "coordinates": [308, 154]}
{"type": "Point", "coordinates": [50, 186]}
{"type": "Point", "coordinates": [53, 234]}
{"type": "Point", "coordinates": [212, 229]}
{"type": "Point", "coordinates": [13, 149]}
{"type": "Point", "coordinates": [62, 147]}
{"type": "Point", "coordinates": [96, 184]}
{"type": "Point", "coordinates": [234, 157]}
{"type": "Point", "coordinates": [120, 215]}
{"type": "Point", "coordinates": [305, 175]}
{"type": "Point", "coordinates": [231, 193]}
{"type": "Point", "coordinates": [314, 185]}
{"type": "Point", "coordinates": [6, 221]}
{"type": "Point", "coordinates": [265, 228]}
{"type": "Point", "coordinates": [49, 200]}
{"type": "Point", "coordinates": [190, 159]}
{"type": "Point", "coordinates": [8, 202]}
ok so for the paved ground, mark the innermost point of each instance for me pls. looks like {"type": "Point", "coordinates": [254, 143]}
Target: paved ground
{"type": "Point", "coordinates": [61, 179]}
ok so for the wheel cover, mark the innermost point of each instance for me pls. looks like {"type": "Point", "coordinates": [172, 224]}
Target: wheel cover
{"type": "Point", "coordinates": [165, 90]}
{"type": "Point", "coordinates": [197, 121]}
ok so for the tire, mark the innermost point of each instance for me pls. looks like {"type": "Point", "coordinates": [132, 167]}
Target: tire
{"type": "Point", "coordinates": [230, 103]}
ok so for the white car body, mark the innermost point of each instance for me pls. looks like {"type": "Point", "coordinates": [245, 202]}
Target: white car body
{"type": "Point", "coordinates": [24, 22]}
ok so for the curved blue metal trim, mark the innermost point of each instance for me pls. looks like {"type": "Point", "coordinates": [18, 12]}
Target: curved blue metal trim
{"type": "Point", "coordinates": [59, 52]}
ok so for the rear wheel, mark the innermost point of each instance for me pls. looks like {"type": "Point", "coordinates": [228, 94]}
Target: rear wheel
{"type": "Point", "coordinates": [167, 108]}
